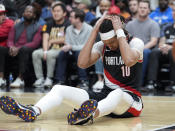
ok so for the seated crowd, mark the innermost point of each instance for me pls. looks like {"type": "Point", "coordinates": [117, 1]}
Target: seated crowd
{"type": "Point", "coordinates": [50, 37]}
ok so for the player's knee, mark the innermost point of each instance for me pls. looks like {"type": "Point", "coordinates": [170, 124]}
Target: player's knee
{"type": "Point", "coordinates": [118, 91]}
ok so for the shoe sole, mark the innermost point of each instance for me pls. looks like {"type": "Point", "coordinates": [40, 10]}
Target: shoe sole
{"type": "Point", "coordinates": [10, 106]}
{"type": "Point", "coordinates": [86, 110]}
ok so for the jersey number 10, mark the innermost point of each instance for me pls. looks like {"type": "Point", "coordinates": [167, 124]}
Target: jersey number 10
{"type": "Point", "coordinates": [125, 71]}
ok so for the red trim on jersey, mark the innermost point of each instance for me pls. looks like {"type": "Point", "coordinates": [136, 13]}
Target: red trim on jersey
{"type": "Point", "coordinates": [104, 47]}
{"type": "Point", "coordinates": [140, 61]}
{"type": "Point", "coordinates": [134, 112]}
{"type": "Point", "coordinates": [114, 81]}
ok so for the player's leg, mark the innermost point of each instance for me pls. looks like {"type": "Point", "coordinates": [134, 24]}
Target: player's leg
{"type": "Point", "coordinates": [58, 93]}
{"type": "Point", "coordinates": [52, 99]}
{"type": "Point", "coordinates": [119, 101]}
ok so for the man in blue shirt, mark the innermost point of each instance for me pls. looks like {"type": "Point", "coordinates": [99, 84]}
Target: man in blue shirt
{"type": "Point", "coordinates": [163, 13]}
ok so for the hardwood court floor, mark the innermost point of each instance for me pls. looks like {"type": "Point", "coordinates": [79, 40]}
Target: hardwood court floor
{"type": "Point", "coordinates": [158, 111]}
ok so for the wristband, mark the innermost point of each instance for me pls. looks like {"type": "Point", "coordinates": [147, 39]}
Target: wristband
{"type": "Point", "coordinates": [120, 33]}
{"type": "Point", "coordinates": [45, 52]}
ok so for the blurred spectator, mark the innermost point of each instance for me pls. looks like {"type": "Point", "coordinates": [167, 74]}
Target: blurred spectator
{"type": "Point", "coordinates": [163, 54]}
{"type": "Point", "coordinates": [46, 11]}
{"type": "Point", "coordinates": [11, 9]}
{"type": "Point", "coordinates": [23, 38]}
{"type": "Point", "coordinates": [5, 26]}
{"type": "Point", "coordinates": [104, 5]}
{"type": "Point", "coordinates": [146, 29]}
{"type": "Point", "coordinates": [171, 3]}
{"type": "Point", "coordinates": [38, 18]}
{"type": "Point", "coordinates": [163, 13]}
{"type": "Point", "coordinates": [53, 39]}
{"type": "Point", "coordinates": [84, 5]}
{"type": "Point", "coordinates": [75, 3]}
{"type": "Point", "coordinates": [20, 6]}
{"type": "Point", "coordinates": [133, 8]}
{"type": "Point", "coordinates": [93, 7]}
{"type": "Point", "coordinates": [76, 36]}
{"type": "Point", "coordinates": [123, 4]}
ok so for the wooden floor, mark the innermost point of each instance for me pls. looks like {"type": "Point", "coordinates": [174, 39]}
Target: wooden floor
{"type": "Point", "coordinates": [158, 112]}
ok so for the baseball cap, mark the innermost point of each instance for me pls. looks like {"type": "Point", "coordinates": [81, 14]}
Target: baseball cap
{"type": "Point", "coordinates": [114, 10]}
{"type": "Point", "coordinates": [2, 8]}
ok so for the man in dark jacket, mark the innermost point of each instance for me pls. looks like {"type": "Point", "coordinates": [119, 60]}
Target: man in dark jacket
{"type": "Point", "coordinates": [23, 38]}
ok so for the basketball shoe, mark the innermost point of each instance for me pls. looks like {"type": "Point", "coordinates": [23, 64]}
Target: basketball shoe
{"type": "Point", "coordinates": [10, 106]}
{"type": "Point", "coordinates": [83, 114]}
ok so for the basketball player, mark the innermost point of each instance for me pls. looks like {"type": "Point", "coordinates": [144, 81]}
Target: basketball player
{"type": "Point", "coordinates": [118, 97]}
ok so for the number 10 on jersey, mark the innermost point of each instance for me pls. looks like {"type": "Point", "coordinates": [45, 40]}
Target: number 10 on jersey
{"type": "Point", "coordinates": [125, 71]}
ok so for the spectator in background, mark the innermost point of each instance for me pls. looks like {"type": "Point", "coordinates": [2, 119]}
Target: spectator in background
{"type": "Point", "coordinates": [23, 38]}
{"type": "Point", "coordinates": [103, 6]}
{"type": "Point", "coordinates": [38, 9]}
{"type": "Point", "coordinates": [76, 36]}
{"type": "Point", "coordinates": [46, 11]}
{"type": "Point", "coordinates": [171, 3]}
{"type": "Point", "coordinates": [133, 8]}
{"type": "Point", "coordinates": [5, 26]}
{"type": "Point", "coordinates": [20, 6]}
{"type": "Point", "coordinates": [163, 54]}
{"type": "Point", "coordinates": [53, 39]}
{"type": "Point", "coordinates": [11, 9]}
{"type": "Point", "coordinates": [123, 4]}
{"type": "Point", "coordinates": [163, 13]}
{"type": "Point", "coordinates": [84, 5]}
{"type": "Point", "coordinates": [145, 29]}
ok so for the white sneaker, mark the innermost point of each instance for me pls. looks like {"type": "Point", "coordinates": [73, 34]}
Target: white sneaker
{"type": "Point", "coordinates": [48, 82]}
{"type": "Point", "coordinates": [39, 82]}
{"type": "Point", "coordinates": [17, 83]}
{"type": "Point", "coordinates": [2, 82]}
{"type": "Point", "coordinates": [98, 86]}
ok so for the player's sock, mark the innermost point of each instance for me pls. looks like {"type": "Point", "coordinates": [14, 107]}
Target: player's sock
{"type": "Point", "coordinates": [37, 110]}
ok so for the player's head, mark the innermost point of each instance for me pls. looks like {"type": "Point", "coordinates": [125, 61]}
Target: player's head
{"type": "Point", "coordinates": [107, 33]}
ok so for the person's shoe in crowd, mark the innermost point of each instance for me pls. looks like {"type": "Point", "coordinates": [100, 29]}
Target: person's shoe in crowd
{"type": "Point", "coordinates": [17, 83]}
{"type": "Point", "coordinates": [83, 114]}
{"type": "Point", "coordinates": [48, 82]}
{"type": "Point", "coordinates": [149, 87]}
{"type": "Point", "coordinates": [98, 86]}
{"type": "Point", "coordinates": [39, 82]}
{"type": "Point", "coordinates": [170, 88]}
{"type": "Point", "coordinates": [10, 106]}
{"type": "Point", "coordinates": [2, 82]}
{"type": "Point", "coordinates": [59, 83]}
{"type": "Point", "coordinates": [84, 84]}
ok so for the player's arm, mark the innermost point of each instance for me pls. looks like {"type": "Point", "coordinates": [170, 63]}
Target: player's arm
{"type": "Point", "coordinates": [87, 57]}
{"type": "Point", "coordinates": [129, 55]}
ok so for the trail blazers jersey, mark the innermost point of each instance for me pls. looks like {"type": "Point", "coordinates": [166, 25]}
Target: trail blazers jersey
{"type": "Point", "coordinates": [116, 73]}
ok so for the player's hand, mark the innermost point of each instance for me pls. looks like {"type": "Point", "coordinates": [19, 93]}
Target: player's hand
{"type": "Point", "coordinates": [116, 22]}
{"type": "Point", "coordinates": [99, 22]}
